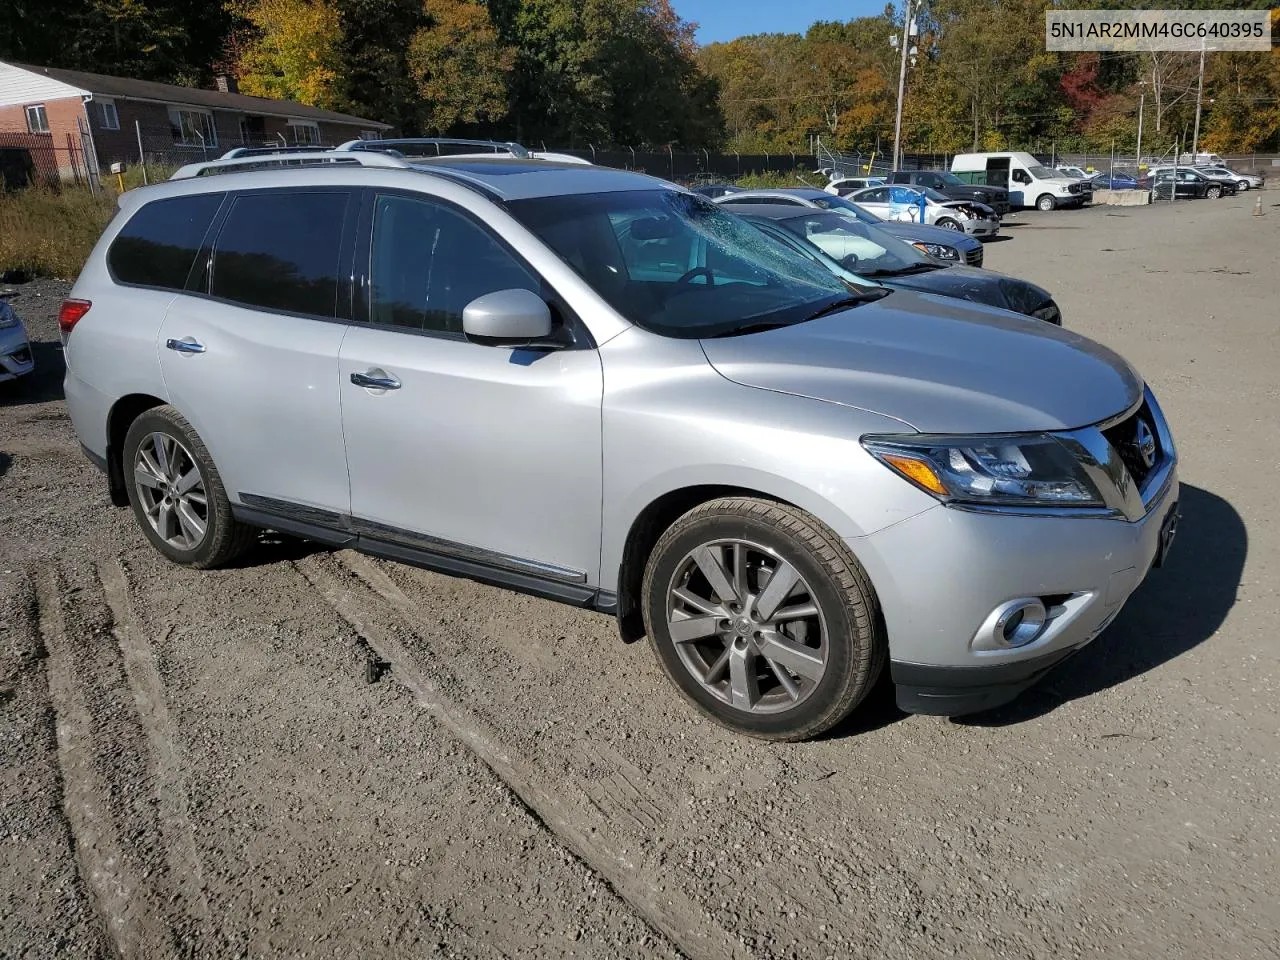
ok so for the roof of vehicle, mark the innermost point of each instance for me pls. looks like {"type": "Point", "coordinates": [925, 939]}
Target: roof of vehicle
{"type": "Point", "coordinates": [810, 193]}
{"type": "Point", "coordinates": [502, 177]}
{"type": "Point", "coordinates": [524, 179]}
{"type": "Point", "coordinates": [775, 211]}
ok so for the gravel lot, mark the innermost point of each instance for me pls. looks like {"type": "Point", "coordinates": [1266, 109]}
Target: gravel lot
{"type": "Point", "coordinates": [194, 764]}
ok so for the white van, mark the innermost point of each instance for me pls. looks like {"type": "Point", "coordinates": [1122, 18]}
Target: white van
{"type": "Point", "coordinates": [1030, 184]}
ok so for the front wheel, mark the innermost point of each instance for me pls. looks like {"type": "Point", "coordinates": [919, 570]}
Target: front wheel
{"type": "Point", "coordinates": [1213, 193]}
{"type": "Point", "coordinates": [1046, 203]}
{"type": "Point", "coordinates": [176, 493]}
{"type": "Point", "coordinates": [948, 224]}
{"type": "Point", "coordinates": [763, 618]}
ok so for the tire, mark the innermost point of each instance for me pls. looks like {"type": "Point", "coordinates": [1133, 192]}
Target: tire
{"type": "Point", "coordinates": [1213, 193]}
{"type": "Point", "coordinates": [1242, 185]}
{"type": "Point", "coordinates": [1046, 203]}
{"type": "Point", "coordinates": [842, 644]}
{"type": "Point", "coordinates": [946, 223]}
{"type": "Point", "coordinates": [162, 445]}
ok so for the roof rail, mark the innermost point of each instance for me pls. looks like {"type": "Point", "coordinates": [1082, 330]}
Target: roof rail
{"type": "Point", "coordinates": [431, 146]}
{"type": "Point", "coordinates": [310, 158]}
{"type": "Point", "coordinates": [268, 149]}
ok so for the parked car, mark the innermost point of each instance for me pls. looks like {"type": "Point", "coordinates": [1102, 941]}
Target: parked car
{"type": "Point", "coordinates": [713, 190]}
{"type": "Point", "coordinates": [926, 205]}
{"type": "Point", "coordinates": [846, 185]}
{"type": "Point", "coordinates": [859, 252]}
{"type": "Point", "coordinates": [1115, 181]}
{"type": "Point", "coordinates": [1078, 173]}
{"type": "Point", "coordinates": [16, 359]}
{"type": "Point", "coordinates": [1208, 159]}
{"type": "Point", "coordinates": [1242, 181]}
{"type": "Point", "coordinates": [935, 241]}
{"type": "Point", "coordinates": [597, 387]}
{"type": "Point", "coordinates": [953, 188]}
{"type": "Point", "coordinates": [1030, 184]}
{"type": "Point", "coordinates": [1191, 183]}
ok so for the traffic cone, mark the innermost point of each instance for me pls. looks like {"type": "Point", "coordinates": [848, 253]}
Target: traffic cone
{"type": "Point", "coordinates": [1257, 206]}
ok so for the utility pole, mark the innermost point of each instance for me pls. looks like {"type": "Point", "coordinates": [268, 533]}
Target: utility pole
{"type": "Point", "coordinates": [902, 86]}
{"type": "Point", "coordinates": [1141, 100]}
{"type": "Point", "coordinates": [1195, 139]}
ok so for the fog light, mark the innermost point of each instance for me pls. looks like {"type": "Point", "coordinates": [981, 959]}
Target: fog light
{"type": "Point", "coordinates": [1014, 623]}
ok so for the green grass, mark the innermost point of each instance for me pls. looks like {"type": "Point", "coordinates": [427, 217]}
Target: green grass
{"type": "Point", "coordinates": [49, 233]}
{"type": "Point", "coordinates": [772, 181]}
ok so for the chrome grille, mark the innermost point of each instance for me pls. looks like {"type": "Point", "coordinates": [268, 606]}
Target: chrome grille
{"type": "Point", "coordinates": [1137, 442]}
{"type": "Point", "coordinates": [973, 258]}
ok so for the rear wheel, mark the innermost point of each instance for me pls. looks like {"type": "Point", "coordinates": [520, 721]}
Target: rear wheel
{"type": "Point", "coordinates": [1046, 202]}
{"type": "Point", "coordinates": [948, 224]}
{"type": "Point", "coordinates": [176, 493]}
{"type": "Point", "coordinates": [763, 618]}
{"type": "Point", "coordinates": [1213, 193]}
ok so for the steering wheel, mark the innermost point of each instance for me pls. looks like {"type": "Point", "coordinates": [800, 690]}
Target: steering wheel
{"type": "Point", "coordinates": [685, 280]}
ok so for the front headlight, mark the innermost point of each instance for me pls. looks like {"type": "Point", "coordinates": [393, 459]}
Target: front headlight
{"type": "Point", "coordinates": [1015, 470]}
{"type": "Point", "coordinates": [7, 317]}
{"type": "Point", "coordinates": [939, 250]}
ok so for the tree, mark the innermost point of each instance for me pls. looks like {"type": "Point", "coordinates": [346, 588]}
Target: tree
{"type": "Point", "coordinates": [293, 53]}
{"type": "Point", "coordinates": [459, 64]}
{"type": "Point", "coordinates": [374, 78]}
{"type": "Point", "coordinates": [168, 40]}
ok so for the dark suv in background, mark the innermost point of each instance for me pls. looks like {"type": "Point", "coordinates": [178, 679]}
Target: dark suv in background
{"type": "Point", "coordinates": [954, 188]}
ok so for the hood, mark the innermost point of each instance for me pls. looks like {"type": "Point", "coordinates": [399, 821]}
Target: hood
{"type": "Point", "coordinates": [912, 232]}
{"type": "Point", "coordinates": [969, 190]}
{"type": "Point", "coordinates": [941, 365]}
{"type": "Point", "coordinates": [977, 286]}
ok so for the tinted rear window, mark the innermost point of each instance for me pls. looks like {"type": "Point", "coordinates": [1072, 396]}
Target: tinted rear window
{"type": "Point", "coordinates": [280, 251]}
{"type": "Point", "coordinates": [159, 243]}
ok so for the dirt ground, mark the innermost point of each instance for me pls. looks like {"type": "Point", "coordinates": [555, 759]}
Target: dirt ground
{"type": "Point", "coordinates": [194, 764]}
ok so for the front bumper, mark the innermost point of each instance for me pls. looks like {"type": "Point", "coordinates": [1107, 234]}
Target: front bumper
{"type": "Point", "coordinates": [982, 228]}
{"type": "Point", "coordinates": [942, 577]}
{"type": "Point", "coordinates": [16, 359]}
{"type": "Point", "coordinates": [940, 574]}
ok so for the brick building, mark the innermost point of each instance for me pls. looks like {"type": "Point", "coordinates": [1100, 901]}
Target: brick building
{"type": "Point", "coordinates": [71, 124]}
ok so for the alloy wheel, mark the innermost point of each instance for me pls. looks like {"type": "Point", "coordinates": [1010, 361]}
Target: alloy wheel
{"type": "Point", "coordinates": [171, 491]}
{"type": "Point", "coordinates": [747, 626]}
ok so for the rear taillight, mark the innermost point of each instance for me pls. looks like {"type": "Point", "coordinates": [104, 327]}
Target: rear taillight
{"type": "Point", "coordinates": [70, 314]}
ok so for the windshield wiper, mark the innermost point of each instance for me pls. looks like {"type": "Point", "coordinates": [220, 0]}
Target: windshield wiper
{"type": "Point", "coordinates": [904, 271]}
{"type": "Point", "coordinates": [845, 302]}
{"type": "Point", "coordinates": [757, 327]}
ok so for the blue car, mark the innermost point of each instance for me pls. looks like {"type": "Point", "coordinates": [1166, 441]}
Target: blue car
{"type": "Point", "coordinates": [1115, 181]}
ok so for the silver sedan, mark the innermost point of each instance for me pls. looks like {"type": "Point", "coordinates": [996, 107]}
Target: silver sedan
{"type": "Point", "coordinates": [898, 202]}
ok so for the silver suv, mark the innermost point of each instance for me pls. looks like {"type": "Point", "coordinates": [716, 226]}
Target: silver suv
{"type": "Point", "coordinates": [595, 386]}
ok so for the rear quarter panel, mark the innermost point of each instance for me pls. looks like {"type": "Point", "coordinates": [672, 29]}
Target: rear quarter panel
{"type": "Point", "coordinates": [112, 350]}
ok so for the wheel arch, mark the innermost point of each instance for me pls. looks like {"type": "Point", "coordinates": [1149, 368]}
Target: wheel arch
{"type": "Point", "coordinates": [649, 523]}
{"type": "Point", "coordinates": [121, 416]}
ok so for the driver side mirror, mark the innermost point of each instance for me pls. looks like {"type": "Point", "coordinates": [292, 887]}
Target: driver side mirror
{"type": "Point", "coordinates": [515, 317]}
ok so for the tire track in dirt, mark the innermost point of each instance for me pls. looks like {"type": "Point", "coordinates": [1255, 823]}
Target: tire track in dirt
{"type": "Point", "coordinates": [121, 899]}
{"type": "Point", "coordinates": [361, 598]}
{"type": "Point", "coordinates": [172, 798]}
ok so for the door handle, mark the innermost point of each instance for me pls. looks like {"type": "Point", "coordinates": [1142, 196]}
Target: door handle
{"type": "Point", "coordinates": [375, 380]}
{"type": "Point", "coordinates": [185, 345]}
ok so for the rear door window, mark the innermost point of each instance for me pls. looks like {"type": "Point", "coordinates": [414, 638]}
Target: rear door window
{"type": "Point", "coordinates": [279, 250]}
{"type": "Point", "coordinates": [158, 245]}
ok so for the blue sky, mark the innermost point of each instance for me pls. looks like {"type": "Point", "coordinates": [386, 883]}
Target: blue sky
{"type": "Point", "coordinates": [726, 19]}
